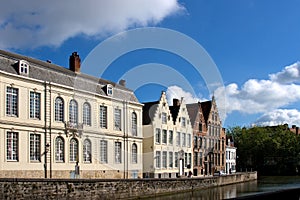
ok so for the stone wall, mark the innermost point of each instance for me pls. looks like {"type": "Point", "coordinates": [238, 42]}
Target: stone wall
{"type": "Point", "coordinates": [110, 189]}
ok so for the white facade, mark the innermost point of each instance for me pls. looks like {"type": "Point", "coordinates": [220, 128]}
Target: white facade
{"type": "Point", "coordinates": [230, 158]}
{"type": "Point", "coordinates": [167, 143]}
{"type": "Point", "coordinates": [53, 120]}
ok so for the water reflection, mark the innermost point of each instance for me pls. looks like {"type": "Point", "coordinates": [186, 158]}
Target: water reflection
{"type": "Point", "coordinates": [264, 184]}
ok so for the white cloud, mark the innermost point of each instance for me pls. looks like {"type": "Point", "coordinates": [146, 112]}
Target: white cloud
{"type": "Point", "coordinates": [175, 92]}
{"type": "Point", "coordinates": [259, 96]}
{"type": "Point", "coordinates": [290, 74]}
{"type": "Point", "coordinates": [33, 23]}
{"type": "Point", "coordinates": [278, 117]}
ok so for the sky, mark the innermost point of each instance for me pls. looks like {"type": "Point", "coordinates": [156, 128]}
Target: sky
{"type": "Point", "coordinates": [252, 44]}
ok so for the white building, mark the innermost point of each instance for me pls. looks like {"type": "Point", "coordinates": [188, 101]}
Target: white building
{"type": "Point", "coordinates": [230, 158]}
{"type": "Point", "coordinates": [54, 119]}
{"type": "Point", "coordinates": [167, 143]}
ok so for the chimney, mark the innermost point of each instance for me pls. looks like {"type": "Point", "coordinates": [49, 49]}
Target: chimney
{"type": "Point", "coordinates": [122, 82]}
{"type": "Point", "coordinates": [176, 102]}
{"type": "Point", "coordinates": [74, 62]}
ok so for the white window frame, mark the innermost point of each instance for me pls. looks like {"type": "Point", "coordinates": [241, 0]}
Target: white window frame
{"type": "Point", "coordinates": [12, 101]}
{"type": "Point", "coordinates": [87, 151]}
{"type": "Point", "coordinates": [103, 151]}
{"type": "Point", "coordinates": [12, 146]}
{"type": "Point", "coordinates": [118, 152]}
{"type": "Point", "coordinates": [117, 119]}
{"type": "Point", "coordinates": [59, 149]}
{"type": "Point", "coordinates": [86, 118]}
{"type": "Point", "coordinates": [73, 154]}
{"type": "Point", "coordinates": [35, 147]}
{"type": "Point", "coordinates": [35, 105]}
{"type": "Point", "coordinates": [59, 109]}
{"type": "Point", "coordinates": [103, 116]}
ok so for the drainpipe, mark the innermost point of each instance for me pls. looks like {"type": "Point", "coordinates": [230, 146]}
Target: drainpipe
{"type": "Point", "coordinates": [50, 128]}
{"type": "Point", "coordinates": [45, 127]}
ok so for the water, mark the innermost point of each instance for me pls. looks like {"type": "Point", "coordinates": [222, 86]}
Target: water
{"type": "Point", "coordinates": [263, 184]}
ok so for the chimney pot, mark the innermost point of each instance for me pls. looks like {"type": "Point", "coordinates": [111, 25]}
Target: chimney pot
{"type": "Point", "coordinates": [122, 82]}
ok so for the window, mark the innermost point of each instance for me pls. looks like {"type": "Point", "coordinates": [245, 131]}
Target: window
{"type": "Point", "coordinates": [164, 159]}
{"type": "Point", "coordinates": [35, 147]}
{"type": "Point", "coordinates": [134, 124]}
{"type": "Point", "coordinates": [189, 140]}
{"type": "Point", "coordinates": [164, 136]}
{"type": "Point", "coordinates": [183, 122]}
{"type": "Point", "coordinates": [190, 159]}
{"type": "Point", "coordinates": [103, 117]}
{"type": "Point", "coordinates": [117, 119]}
{"type": "Point", "coordinates": [73, 112]}
{"type": "Point", "coordinates": [73, 150]}
{"type": "Point", "coordinates": [178, 139]}
{"type": "Point", "coordinates": [200, 158]}
{"type": "Point", "coordinates": [87, 114]}
{"type": "Point", "coordinates": [183, 139]}
{"type": "Point", "coordinates": [103, 151]}
{"type": "Point", "coordinates": [59, 149]}
{"type": "Point", "coordinates": [59, 109]}
{"type": "Point", "coordinates": [170, 137]}
{"type": "Point", "coordinates": [35, 105]}
{"type": "Point", "coordinates": [87, 149]}
{"type": "Point", "coordinates": [170, 159]}
{"type": "Point", "coordinates": [185, 159]}
{"type": "Point", "coordinates": [200, 126]}
{"type": "Point", "coordinates": [12, 147]}
{"type": "Point", "coordinates": [109, 90]}
{"type": "Point", "coordinates": [118, 152]}
{"type": "Point", "coordinates": [12, 101]}
{"type": "Point", "coordinates": [157, 135]}
{"type": "Point", "coordinates": [23, 67]}
{"type": "Point", "coordinates": [195, 142]}
{"type": "Point", "coordinates": [195, 159]}
{"type": "Point", "coordinates": [134, 153]}
{"type": "Point", "coordinates": [157, 159]}
{"type": "Point", "coordinates": [176, 159]}
{"type": "Point", "coordinates": [164, 118]}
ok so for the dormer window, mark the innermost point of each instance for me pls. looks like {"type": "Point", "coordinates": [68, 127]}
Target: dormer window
{"type": "Point", "coordinates": [109, 90]}
{"type": "Point", "coordinates": [23, 67]}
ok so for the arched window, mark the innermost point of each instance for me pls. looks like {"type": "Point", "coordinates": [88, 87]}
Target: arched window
{"type": "Point", "coordinates": [87, 149]}
{"type": "Point", "coordinates": [59, 149]}
{"type": "Point", "coordinates": [59, 109]}
{"type": "Point", "coordinates": [87, 114]}
{"type": "Point", "coordinates": [134, 153]}
{"type": "Point", "coordinates": [134, 124]}
{"type": "Point", "coordinates": [73, 112]}
{"type": "Point", "coordinates": [73, 150]}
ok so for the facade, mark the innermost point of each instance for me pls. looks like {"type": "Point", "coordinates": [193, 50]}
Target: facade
{"type": "Point", "coordinates": [167, 142]}
{"type": "Point", "coordinates": [59, 123]}
{"type": "Point", "coordinates": [230, 158]}
{"type": "Point", "coordinates": [209, 138]}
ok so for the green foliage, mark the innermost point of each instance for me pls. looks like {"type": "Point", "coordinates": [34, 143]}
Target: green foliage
{"type": "Point", "coordinates": [269, 150]}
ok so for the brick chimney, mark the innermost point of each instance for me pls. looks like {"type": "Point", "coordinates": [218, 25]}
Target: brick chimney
{"type": "Point", "coordinates": [74, 62]}
{"type": "Point", "coordinates": [122, 82]}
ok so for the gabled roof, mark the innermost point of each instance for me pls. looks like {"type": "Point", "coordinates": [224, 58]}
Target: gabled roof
{"type": "Point", "coordinates": [193, 111]}
{"type": "Point", "coordinates": [206, 108]}
{"type": "Point", "coordinates": [174, 112]}
{"type": "Point", "coordinates": [149, 109]}
{"type": "Point", "coordinates": [52, 73]}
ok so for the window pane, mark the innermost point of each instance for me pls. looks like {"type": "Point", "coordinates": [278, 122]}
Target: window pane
{"type": "Point", "coordinates": [103, 151]}
{"type": "Point", "coordinates": [118, 152]}
{"type": "Point", "coordinates": [134, 153]}
{"type": "Point", "coordinates": [157, 159]}
{"type": "Point", "coordinates": [170, 137]}
{"type": "Point", "coordinates": [117, 119]}
{"type": "Point", "coordinates": [103, 116]}
{"type": "Point", "coordinates": [134, 124]}
{"type": "Point", "coordinates": [73, 112]}
{"type": "Point", "coordinates": [164, 137]}
{"type": "Point", "coordinates": [73, 150]}
{"type": "Point", "coordinates": [12, 101]}
{"type": "Point", "coordinates": [87, 151]}
{"type": "Point", "coordinates": [35, 147]}
{"type": "Point", "coordinates": [170, 159]}
{"type": "Point", "coordinates": [59, 109]}
{"type": "Point", "coordinates": [59, 149]}
{"type": "Point", "coordinates": [12, 148]}
{"type": "Point", "coordinates": [87, 114]}
{"type": "Point", "coordinates": [35, 105]}
{"type": "Point", "coordinates": [157, 136]}
{"type": "Point", "coordinates": [164, 159]}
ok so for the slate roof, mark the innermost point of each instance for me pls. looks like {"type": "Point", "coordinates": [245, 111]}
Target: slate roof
{"type": "Point", "coordinates": [193, 111]}
{"type": "Point", "coordinates": [174, 112]}
{"type": "Point", "coordinates": [149, 109]}
{"type": "Point", "coordinates": [206, 107]}
{"type": "Point", "coordinates": [49, 72]}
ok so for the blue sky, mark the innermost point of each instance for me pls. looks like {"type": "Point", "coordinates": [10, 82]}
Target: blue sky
{"type": "Point", "coordinates": [253, 43]}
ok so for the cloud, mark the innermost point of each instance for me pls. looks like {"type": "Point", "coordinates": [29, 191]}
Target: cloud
{"type": "Point", "coordinates": [29, 24]}
{"type": "Point", "coordinates": [290, 74]}
{"type": "Point", "coordinates": [175, 92]}
{"type": "Point", "coordinates": [279, 117]}
{"type": "Point", "coordinates": [259, 96]}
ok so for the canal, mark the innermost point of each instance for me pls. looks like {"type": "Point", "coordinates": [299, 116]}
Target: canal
{"type": "Point", "coordinates": [264, 185]}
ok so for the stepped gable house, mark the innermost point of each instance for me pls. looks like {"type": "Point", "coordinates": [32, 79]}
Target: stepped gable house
{"type": "Point", "coordinates": [167, 142]}
{"type": "Point", "coordinates": [60, 123]}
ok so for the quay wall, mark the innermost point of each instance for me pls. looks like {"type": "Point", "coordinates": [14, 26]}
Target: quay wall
{"type": "Point", "coordinates": [15, 188]}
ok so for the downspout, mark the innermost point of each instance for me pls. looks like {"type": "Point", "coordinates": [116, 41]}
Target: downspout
{"type": "Point", "coordinates": [45, 119]}
{"type": "Point", "coordinates": [124, 139]}
{"type": "Point", "coordinates": [50, 128]}
{"type": "Point", "coordinates": [127, 124]}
